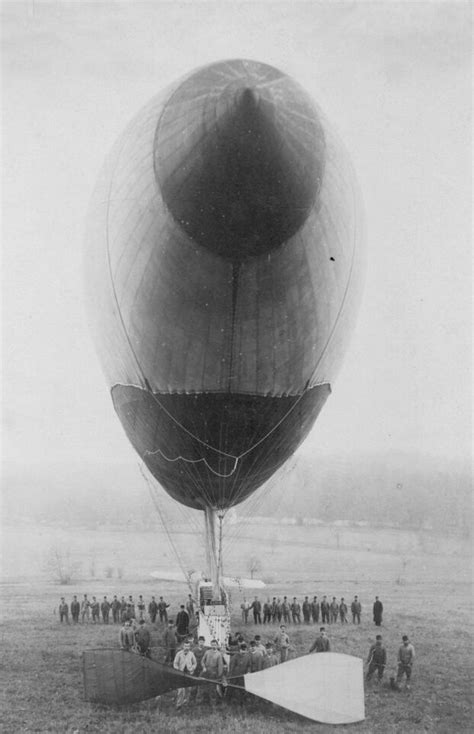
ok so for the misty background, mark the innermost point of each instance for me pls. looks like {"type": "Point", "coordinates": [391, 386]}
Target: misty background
{"type": "Point", "coordinates": [393, 445]}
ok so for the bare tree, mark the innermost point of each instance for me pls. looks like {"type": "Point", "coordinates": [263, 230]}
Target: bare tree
{"type": "Point", "coordinates": [60, 564]}
{"type": "Point", "coordinates": [254, 566]}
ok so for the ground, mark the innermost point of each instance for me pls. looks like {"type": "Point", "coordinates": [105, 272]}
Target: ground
{"type": "Point", "coordinates": [428, 598]}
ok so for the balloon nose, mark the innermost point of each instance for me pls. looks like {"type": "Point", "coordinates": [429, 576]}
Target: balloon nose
{"type": "Point", "coordinates": [239, 168]}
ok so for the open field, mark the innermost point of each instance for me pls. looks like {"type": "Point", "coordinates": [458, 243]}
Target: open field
{"type": "Point", "coordinates": [431, 602]}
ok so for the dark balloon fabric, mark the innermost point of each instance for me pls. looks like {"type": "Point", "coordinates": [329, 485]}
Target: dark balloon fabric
{"type": "Point", "coordinates": [223, 268]}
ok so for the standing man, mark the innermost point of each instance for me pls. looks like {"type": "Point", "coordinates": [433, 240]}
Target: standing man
{"type": "Point", "coordinates": [271, 658]}
{"type": "Point", "coordinates": [296, 611]}
{"type": "Point", "coordinates": [256, 607]}
{"type": "Point", "coordinates": [256, 657]}
{"type": "Point", "coordinates": [105, 609]}
{"type": "Point", "coordinates": [162, 607]}
{"type": "Point", "coordinates": [182, 623]}
{"type": "Point", "coordinates": [285, 609]}
{"type": "Point", "coordinates": [282, 643]}
{"type": "Point", "coordinates": [377, 659]}
{"type": "Point", "coordinates": [153, 610]}
{"type": "Point", "coordinates": [75, 609]}
{"type": "Point", "coordinates": [306, 611]}
{"type": "Point", "coordinates": [245, 607]}
{"type": "Point", "coordinates": [95, 609]}
{"type": "Point", "coordinates": [325, 610]}
{"type": "Point", "coordinates": [356, 609]}
{"type": "Point", "coordinates": [143, 639]}
{"type": "Point", "coordinates": [334, 610]}
{"type": "Point", "coordinates": [190, 606]}
{"type": "Point", "coordinates": [85, 609]}
{"type": "Point", "coordinates": [123, 609]}
{"type": "Point", "coordinates": [63, 611]}
{"type": "Point", "coordinates": [169, 643]}
{"type": "Point", "coordinates": [141, 607]}
{"type": "Point", "coordinates": [343, 611]}
{"type": "Point", "coordinates": [213, 669]}
{"type": "Point", "coordinates": [127, 636]}
{"type": "Point", "coordinates": [377, 611]}
{"type": "Point", "coordinates": [239, 665]}
{"type": "Point", "coordinates": [194, 626]}
{"type": "Point", "coordinates": [321, 643]}
{"type": "Point", "coordinates": [406, 658]}
{"type": "Point", "coordinates": [267, 612]}
{"type": "Point", "coordinates": [315, 610]}
{"type": "Point", "coordinates": [185, 662]}
{"type": "Point", "coordinates": [115, 610]}
{"type": "Point", "coordinates": [199, 651]}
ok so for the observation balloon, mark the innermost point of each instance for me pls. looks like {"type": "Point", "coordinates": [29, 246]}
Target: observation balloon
{"type": "Point", "coordinates": [223, 269]}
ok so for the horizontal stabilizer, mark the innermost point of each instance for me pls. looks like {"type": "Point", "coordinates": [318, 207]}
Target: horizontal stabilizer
{"type": "Point", "coordinates": [326, 687]}
{"type": "Point", "coordinates": [122, 677]}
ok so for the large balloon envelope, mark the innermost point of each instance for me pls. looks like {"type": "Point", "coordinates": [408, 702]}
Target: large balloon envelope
{"type": "Point", "coordinates": [223, 273]}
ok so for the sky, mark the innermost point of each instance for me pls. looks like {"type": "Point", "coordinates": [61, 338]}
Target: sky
{"type": "Point", "coordinates": [394, 79]}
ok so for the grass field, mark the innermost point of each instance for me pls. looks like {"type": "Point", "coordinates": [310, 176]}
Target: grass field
{"type": "Point", "coordinates": [432, 603]}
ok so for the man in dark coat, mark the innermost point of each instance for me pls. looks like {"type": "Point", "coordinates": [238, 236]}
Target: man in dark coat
{"type": "Point", "coordinates": [116, 606]}
{"type": "Point", "coordinates": [75, 609]}
{"type": "Point", "coordinates": [377, 610]}
{"type": "Point", "coordinates": [182, 623]}
{"type": "Point", "coordinates": [315, 610]}
{"type": "Point", "coordinates": [321, 643]}
{"type": "Point", "coordinates": [256, 608]}
{"type": "Point", "coordinates": [325, 610]}
{"type": "Point", "coordinates": [153, 610]}
{"type": "Point", "coordinates": [306, 610]}
{"type": "Point", "coordinates": [377, 659]}
{"type": "Point", "coordinates": [356, 609]}
{"type": "Point", "coordinates": [143, 639]}
{"type": "Point", "coordinates": [169, 643]}
{"type": "Point", "coordinates": [105, 609]}
{"type": "Point", "coordinates": [63, 611]}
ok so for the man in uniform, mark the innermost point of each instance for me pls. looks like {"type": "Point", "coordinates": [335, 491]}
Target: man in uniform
{"type": "Point", "coordinates": [143, 639]}
{"type": "Point", "coordinates": [95, 610]}
{"type": "Point", "coordinates": [356, 609]}
{"type": "Point", "coordinates": [239, 666]}
{"type": "Point", "coordinates": [182, 623]}
{"type": "Point", "coordinates": [141, 607]}
{"type": "Point", "coordinates": [315, 610]}
{"type": "Point", "coordinates": [321, 643]}
{"type": "Point", "coordinates": [63, 611]}
{"type": "Point", "coordinates": [271, 658]}
{"type": "Point", "coordinates": [267, 612]}
{"type": "Point", "coordinates": [105, 609]}
{"type": "Point", "coordinates": [377, 611]}
{"type": "Point", "coordinates": [343, 611]}
{"type": "Point", "coordinates": [115, 610]}
{"type": "Point", "coordinates": [245, 607]}
{"type": "Point", "coordinates": [306, 611]}
{"type": "Point", "coordinates": [185, 662]}
{"type": "Point", "coordinates": [377, 659]}
{"type": "Point", "coordinates": [334, 610]}
{"type": "Point", "coordinates": [325, 610]}
{"type": "Point", "coordinates": [190, 606]}
{"type": "Point", "coordinates": [169, 643]}
{"type": "Point", "coordinates": [212, 668]}
{"type": "Point", "coordinates": [406, 657]}
{"type": "Point", "coordinates": [126, 636]}
{"type": "Point", "coordinates": [296, 611]}
{"type": "Point", "coordinates": [85, 609]}
{"type": "Point", "coordinates": [123, 609]}
{"type": "Point", "coordinates": [256, 608]}
{"type": "Point", "coordinates": [285, 609]}
{"type": "Point", "coordinates": [256, 657]}
{"type": "Point", "coordinates": [162, 607]}
{"type": "Point", "coordinates": [75, 609]}
{"type": "Point", "coordinates": [282, 643]}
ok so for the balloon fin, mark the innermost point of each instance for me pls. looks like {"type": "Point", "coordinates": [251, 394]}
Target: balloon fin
{"type": "Point", "coordinates": [326, 687]}
{"type": "Point", "coordinates": [121, 677]}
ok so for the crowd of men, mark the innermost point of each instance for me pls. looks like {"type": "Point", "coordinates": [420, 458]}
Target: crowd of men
{"type": "Point", "coordinates": [309, 612]}
{"type": "Point", "coordinates": [115, 611]}
{"type": "Point", "coordinates": [183, 649]}
{"type": "Point", "coordinates": [276, 611]}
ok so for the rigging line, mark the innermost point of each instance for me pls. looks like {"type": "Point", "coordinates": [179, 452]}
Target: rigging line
{"type": "Point", "coordinates": [157, 507]}
{"type": "Point", "coordinates": [109, 263]}
{"type": "Point", "coordinates": [346, 290]}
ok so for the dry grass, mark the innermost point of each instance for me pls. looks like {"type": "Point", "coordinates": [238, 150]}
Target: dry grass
{"type": "Point", "coordinates": [41, 659]}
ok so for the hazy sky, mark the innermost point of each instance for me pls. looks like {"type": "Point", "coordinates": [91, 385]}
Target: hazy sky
{"type": "Point", "coordinates": [394, 79]}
